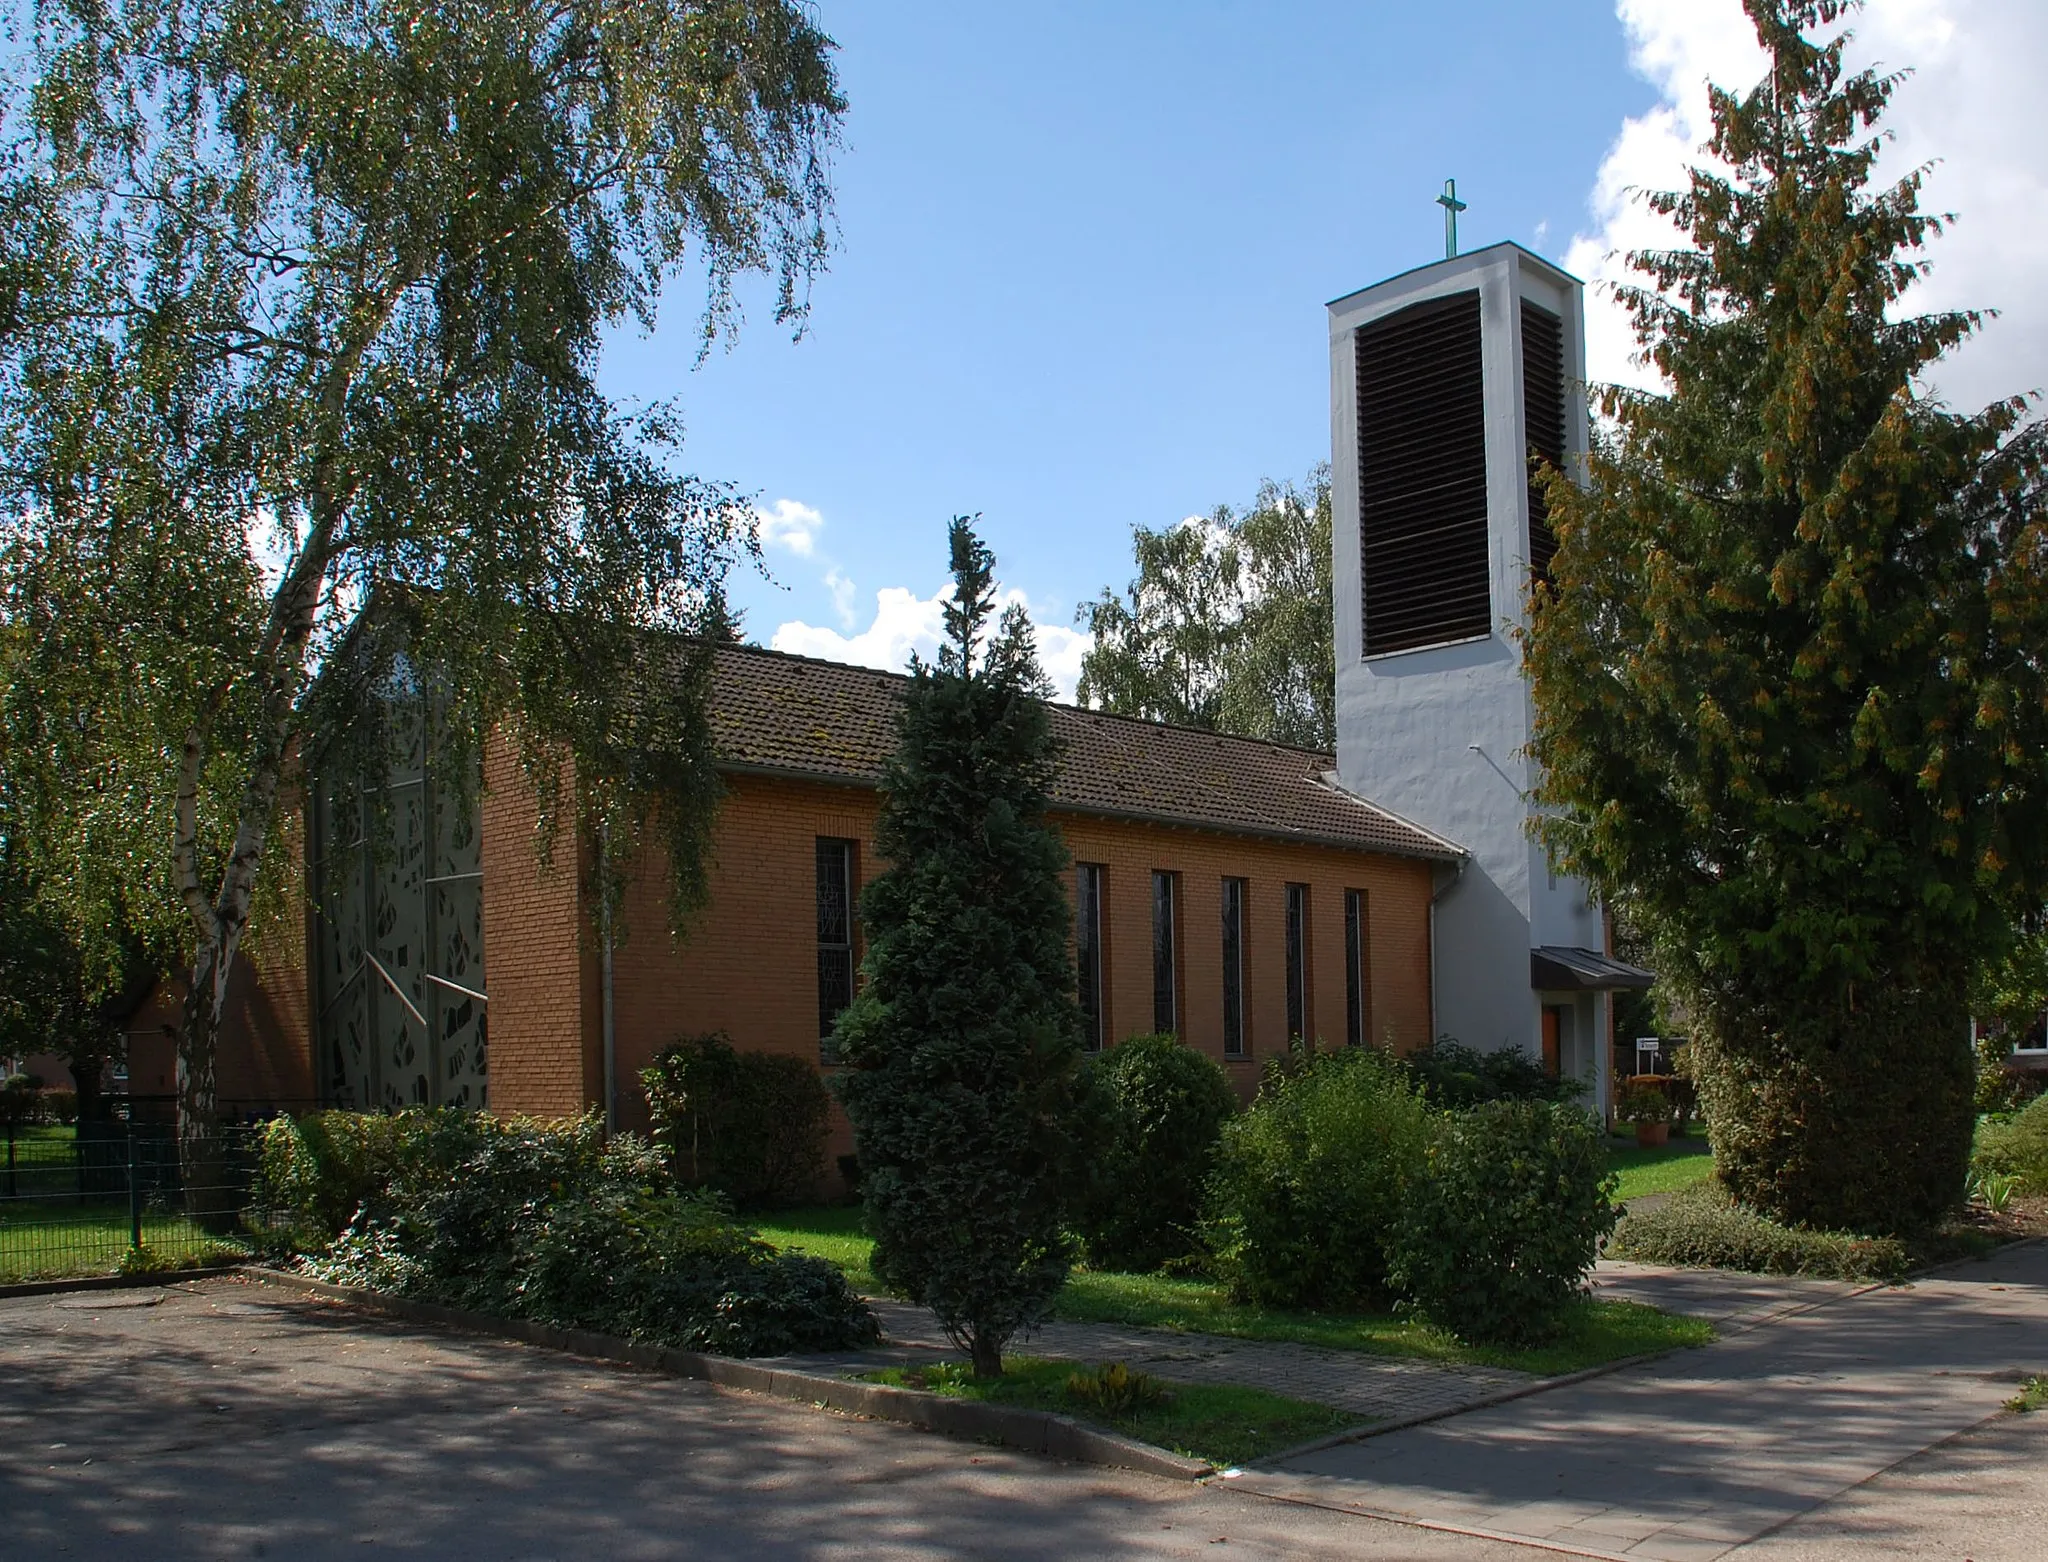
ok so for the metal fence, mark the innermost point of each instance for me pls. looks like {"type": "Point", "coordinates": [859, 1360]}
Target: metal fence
{"type": "Point", "coordinates": [99, 1198]}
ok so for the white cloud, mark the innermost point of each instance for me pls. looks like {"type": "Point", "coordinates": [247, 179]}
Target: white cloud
{"type": "Point", "coordinates": [905, 622]}
{"type": "Point", "coordinates": [790, 526]}
{"type": "Point", "coordinates": [1059, 652]}
{"type": "Point", "coordinates": [1976, 64]}
{"type": "Point", "coordinates": [843, 592]}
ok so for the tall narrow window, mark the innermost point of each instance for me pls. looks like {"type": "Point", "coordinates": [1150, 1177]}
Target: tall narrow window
{"type": "Point", "coordinates": [1233, 968]}
{"type": "Point", "coordinates": [835, 939]}
{"type": "Point", "coordinates": [1088, 950]}
{"type": "Point", "coordinates": [1165, 970]}
{"type": "Point", "coordinates": [1297, 962]}
{"type": "Point", "coordinates": [1357, 988]}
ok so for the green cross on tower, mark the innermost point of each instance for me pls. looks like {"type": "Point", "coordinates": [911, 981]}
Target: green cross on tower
{"type": "Point", "coordinates": [1452, 206]}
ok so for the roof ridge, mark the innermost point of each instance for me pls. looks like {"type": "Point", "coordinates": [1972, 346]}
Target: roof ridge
{"type": "Point", "coordinates": [1065, 705]}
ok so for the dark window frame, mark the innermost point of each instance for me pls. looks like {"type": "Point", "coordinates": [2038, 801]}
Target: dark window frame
{"type": "Point", "coordinates": [1236, 1032]}
{"type": "Point", "coordinates": [1091, 962]}
{"type": "Point", "coordinates": [1298, 961]}
{"type": "Point", "coordinates": [836, 933]}
{"type": "Point", "coordinates": [1165, 952]}
{"type": "Point", "coordinates": [1357, 967]}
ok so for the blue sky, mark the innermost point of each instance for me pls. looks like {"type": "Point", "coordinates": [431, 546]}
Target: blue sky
{"type": "Point", "coordinates": [1084, 257]}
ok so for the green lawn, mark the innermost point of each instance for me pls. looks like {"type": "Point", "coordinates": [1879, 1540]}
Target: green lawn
{"type": "Point", "coordinates": [1665, 1169]}
{"type": "Point", "coordinates": [1598, 1332]}
{"type": "Point", "coordinates": [45, 1239]}
{"type": "Point", "coordinates": [1222, 1424]}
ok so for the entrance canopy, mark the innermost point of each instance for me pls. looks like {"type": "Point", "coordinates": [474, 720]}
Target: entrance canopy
{"type": "Point", "coordinates": [1561, 968]}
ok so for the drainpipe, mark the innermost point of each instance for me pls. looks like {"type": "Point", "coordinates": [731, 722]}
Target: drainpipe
{"type": "Point", "coordinates": [609, 1030]}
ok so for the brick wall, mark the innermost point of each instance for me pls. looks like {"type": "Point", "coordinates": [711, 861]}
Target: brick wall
{"type": "Point", "coordinates": [748, 964]}
{"type": "Point", "coordinates": [263, 1057]}
{"type": "Point", "coordinates": [540, 960]}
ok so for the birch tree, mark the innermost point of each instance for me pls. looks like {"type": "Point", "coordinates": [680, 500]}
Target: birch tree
{"type": "Point", "coordinates": [302, 301]}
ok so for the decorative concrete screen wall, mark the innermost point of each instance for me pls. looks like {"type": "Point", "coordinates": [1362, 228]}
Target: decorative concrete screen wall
{"type": "Point", "coordinates": [396, 884]}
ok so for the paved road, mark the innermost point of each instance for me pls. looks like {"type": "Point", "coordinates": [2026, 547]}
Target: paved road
{"type": "Point", "coordinates": [1685, 1458]}
{"type": "Point", "coordinates": [223, 1420]}
{"type": "Point", "coordinates": [233, 1421]}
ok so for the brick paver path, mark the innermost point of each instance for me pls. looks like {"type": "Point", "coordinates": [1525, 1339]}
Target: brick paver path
{"type": "Point", "coordinates": [1375, 1388]}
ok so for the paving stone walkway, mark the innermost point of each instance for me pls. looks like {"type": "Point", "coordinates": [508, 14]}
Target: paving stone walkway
{"type": "Point", "coordinates": [1374, 1388]}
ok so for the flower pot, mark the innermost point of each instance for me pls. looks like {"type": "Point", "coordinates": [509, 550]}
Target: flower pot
{"type": "Point", "coordinates": [1650, 1135]}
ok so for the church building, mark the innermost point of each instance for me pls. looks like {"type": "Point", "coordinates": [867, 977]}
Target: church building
{"type": "Point", "coordinates": [1239, 894]}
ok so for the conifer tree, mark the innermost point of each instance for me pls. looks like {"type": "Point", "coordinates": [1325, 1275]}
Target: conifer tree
{"type": "Point", "coordinates": [1787, 676]}
{"type": "Point", "coordinates": [964, 1083]}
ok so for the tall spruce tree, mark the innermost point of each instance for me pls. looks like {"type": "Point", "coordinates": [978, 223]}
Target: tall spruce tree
{"type": "Point", "coordinates": [964, 1083]}
{"type": "Point", "coordinates": [1790, 703]}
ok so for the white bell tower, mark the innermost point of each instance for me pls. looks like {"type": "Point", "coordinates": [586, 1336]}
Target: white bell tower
{"type": "Point", "coordinates": [1442, 382]}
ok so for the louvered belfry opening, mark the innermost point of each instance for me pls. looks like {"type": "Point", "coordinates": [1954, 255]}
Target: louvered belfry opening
{"type": "Point", "coordinates": [1422, 476]}
{"type": "Point", "coordinates": [1543, 409]}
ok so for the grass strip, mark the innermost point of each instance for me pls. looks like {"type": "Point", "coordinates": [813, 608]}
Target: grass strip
{"type": "Point", "coordinates": [1664, 1168]}
{"type": "Point", "coordinates": [2033, 1395]}
{"type": "Point", "coordinates": [1596, 1331]}
{"type": "Point", "coordinates": [60, 1239]}
{"type": "Point", "coordinates": [1221, 1423]}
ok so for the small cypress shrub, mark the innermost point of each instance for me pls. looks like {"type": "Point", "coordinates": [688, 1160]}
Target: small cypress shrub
{"type": "Point", "coordinates": [1167, 1105]}
{"type": "Point", "coordinates": [1501, 1229]}
{"type": "Point", "coordinates": [750, 1125]}
{"type": "Point", "coordinates": [964, 1075]}
{"type": "Point", "coordinates": [1310, 1179]}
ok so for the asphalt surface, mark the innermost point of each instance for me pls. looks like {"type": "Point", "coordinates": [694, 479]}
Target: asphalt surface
{"type": "Point", "coordinates": [1686, 1458]}
{"type": "Point", "coordinates": [227, 1420]}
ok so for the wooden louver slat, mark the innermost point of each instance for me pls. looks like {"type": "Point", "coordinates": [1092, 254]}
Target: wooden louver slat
{"type": "Point", "coordinates": [1543, 412]}
{"type": "Point", "coordinates": [1422, 476]}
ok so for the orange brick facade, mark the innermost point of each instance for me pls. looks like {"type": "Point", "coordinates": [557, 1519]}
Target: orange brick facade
{"type": "Point", "coordinates": [540, 958]}
{"type": "Point", "coordinates": [748, 964]}
{"type": "Point", "coordinates": [264, 1056]}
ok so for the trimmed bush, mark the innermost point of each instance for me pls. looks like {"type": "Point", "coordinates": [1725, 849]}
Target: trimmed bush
{"type": "Point", "coordinates": [1499, 1232]}
{"type": "Point", "coordinates": [1168, 1105]}
{"type": "Point", "coordinates": [1309, 1181]}
{"type": "Point", "coordinates": [2015, 1146]}
{"type": "Point", "coordinates": [547, 1221]}
{"type": "Point", "coordinates": [750, 1125]}
{"type": "Point", "coordinates": [1455, 1076]}
{"type": "Point", "coordinates": [1829, 1124]}
{"type": "Point", "coordinates": [1701, 1227]}
{"type": "Point", "coordinates": [316, 1173]}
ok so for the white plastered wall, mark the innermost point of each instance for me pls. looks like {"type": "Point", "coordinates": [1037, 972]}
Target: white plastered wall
{"type": "Point", "coordinates": [1439, 735]}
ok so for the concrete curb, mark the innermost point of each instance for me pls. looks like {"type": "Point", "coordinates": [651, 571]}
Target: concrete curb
{"type": "Point", "coordinates": [1033, 1431]}
{"type": "Point", "coordinates": [116, 1282]}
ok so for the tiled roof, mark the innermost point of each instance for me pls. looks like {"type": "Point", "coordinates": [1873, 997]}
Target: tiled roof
{"type": "Point", "coordinates": [791, 715]}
